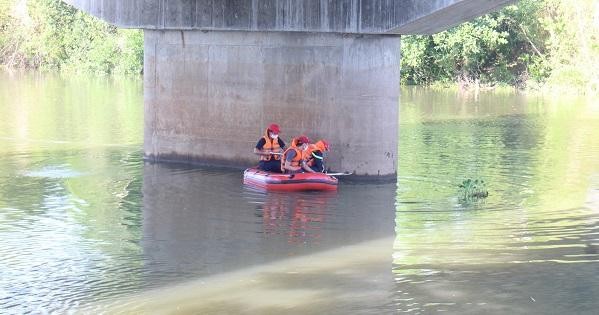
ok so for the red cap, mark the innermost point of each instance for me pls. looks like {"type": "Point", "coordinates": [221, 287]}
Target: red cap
{"type": "Point", "coordinates": [274, 128]}
{"type": "Point", "coordinates": [303, 139]}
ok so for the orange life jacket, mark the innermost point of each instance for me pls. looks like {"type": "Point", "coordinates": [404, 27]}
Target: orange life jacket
{"type": "Point", "coordinates": [297, 159]}
{"type": "Point", "coordinates": [271, 145]}
{"type": "Point", "coordinates": [307, 155]}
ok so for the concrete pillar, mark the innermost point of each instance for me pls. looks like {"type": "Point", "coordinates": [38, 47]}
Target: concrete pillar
{"type": "Point", "coordinates": [209, 95]}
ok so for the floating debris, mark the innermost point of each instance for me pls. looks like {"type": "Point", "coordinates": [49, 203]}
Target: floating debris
{"type": "Point", "coordinates": [472, 190]}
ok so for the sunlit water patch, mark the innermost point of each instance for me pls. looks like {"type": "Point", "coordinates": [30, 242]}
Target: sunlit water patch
{"type": "Point", "coordinates": [53, 171]}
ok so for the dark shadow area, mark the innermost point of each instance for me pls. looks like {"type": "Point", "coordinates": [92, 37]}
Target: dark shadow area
{"type": "Point", "coordinates": [200, 221]}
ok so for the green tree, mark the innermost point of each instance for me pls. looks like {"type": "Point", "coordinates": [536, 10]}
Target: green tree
{"type": "Point", "coordinates": [493, 48]}
{"type": "Point", "coordinates": [573, 39]}
{"type": "Point", "coordinates": [533, 42]}
{"type": "Point", "coordinates": [54, 35]}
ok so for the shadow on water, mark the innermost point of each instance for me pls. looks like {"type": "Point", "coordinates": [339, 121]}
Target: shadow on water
{"type": "Point", "coordinates": [205, 221]}
{"type": "Point", "coordinates": [84, 221]}
{"type": "Point", "coordinates": [254, 251]}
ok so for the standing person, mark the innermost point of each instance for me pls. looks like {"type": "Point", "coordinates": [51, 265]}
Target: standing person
{"type": "Point", "coordinates": [314, 156]}
{"type": "Point", "coordinates": [293, 161]}
{"type": "Point", "coordinates": [270, 149]}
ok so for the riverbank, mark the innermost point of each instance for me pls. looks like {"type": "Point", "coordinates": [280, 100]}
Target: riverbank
{"type": "Point", "coordinates": [547, 46]}
{"type": "Point", "coordinates": [531, 88]}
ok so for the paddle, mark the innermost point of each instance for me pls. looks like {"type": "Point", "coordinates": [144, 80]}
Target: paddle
{"type": "Point", "coordinates": [340, 174]}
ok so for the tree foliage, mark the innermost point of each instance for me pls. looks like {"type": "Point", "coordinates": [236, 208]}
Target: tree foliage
{"type": "Point", "coordinates": [51, 34]}
{"type": "Point", "coordinates": [534, 41]}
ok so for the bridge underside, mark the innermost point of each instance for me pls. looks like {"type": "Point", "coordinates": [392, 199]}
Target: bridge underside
{"type": "Point", "coordinates": [209, 95]}
{"type": "Point", "coordinates": [322, 16]}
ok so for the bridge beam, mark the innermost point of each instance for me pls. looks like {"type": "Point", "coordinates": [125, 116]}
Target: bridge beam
{"type": "Point", "coordinates": [323, 16]}
{"type": "Point", "coordinates": [209, 95]}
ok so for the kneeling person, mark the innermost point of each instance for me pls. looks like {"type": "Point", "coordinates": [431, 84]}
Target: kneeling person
{"type": "Point", "coordinates": [314, 156]}
{"type": "Point", "coordinates": [270, 148]}
{"type": "Point", "coordinates": [293, 161]}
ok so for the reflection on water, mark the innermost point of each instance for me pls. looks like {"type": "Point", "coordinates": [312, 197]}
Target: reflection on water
{"type": "Point", "coordinates": [245, 245]}
{"type": "Point", "coordinates": [531, 247]}
{"type": "Point", "coordinates": [86, 225]}
{"type": "Point", "coordinates": [203, 222]}
{"type": "Point", "coordinates": [302, 214]}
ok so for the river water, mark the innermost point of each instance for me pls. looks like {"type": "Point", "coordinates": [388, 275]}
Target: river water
{"type": "Point", "coordinates": [86, 226]}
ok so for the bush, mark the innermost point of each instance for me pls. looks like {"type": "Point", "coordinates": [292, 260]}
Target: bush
{"type": "Point", "coordinates": [554, 41]}
{"type": "Point", "coordinates": [54, 35]}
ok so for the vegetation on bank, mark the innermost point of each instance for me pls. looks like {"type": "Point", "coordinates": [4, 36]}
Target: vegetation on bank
{"type": "Point", "coordinates": [49, 34]}
{"type": "Point", "coordinates": [533, 43]}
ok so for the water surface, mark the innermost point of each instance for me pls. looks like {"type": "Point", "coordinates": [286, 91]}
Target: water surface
{"type": "Point", "coordinates": [86, 225]}
{"type": "Point", "coordinates": [532, 246]}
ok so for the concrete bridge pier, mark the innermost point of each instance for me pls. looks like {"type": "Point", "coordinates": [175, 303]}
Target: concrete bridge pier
{"type": "Point", "coordinates": [217, 73]}
{"type": "Point", "coordinates": [210, 94]}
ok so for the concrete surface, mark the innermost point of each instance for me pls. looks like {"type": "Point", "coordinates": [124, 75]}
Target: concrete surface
{"type": "Point", "coordinates": [325, 16]}
{"type": "Point", "coordinates": [210, 95]}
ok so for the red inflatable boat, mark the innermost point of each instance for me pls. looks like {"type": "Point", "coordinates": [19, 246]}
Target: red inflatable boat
{"type": "Point", "coordinates": [289, 182]}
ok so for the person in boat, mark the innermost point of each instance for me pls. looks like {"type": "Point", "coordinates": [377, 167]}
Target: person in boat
{"type": "Point", "coordinates": [270, 149]}
{"type": "Point", "coordinates": [293, 158]}
{"type": "Point", "coordinates": [314, 156]}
